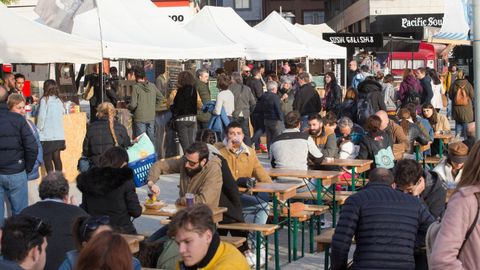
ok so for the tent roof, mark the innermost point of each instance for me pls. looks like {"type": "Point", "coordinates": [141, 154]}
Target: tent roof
{"type": "Point", "coordinates": [318, 48]}
{"type": "Point", "coordinates": [316, 29]}
{"type": "Point", "coordinates": [222, 24]}
{"type": "Point", "coordinates": [38, 43]}
{"type": "Point", "coordinates": [455, 28]}
{"type": "Point", "coordinates": [134, 29]}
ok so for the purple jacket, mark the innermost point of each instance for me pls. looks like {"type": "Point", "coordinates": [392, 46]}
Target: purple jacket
{"type": "Point", "coordinates": [408, 82]}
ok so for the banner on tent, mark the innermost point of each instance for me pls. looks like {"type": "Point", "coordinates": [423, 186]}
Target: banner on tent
{"type": "Point", "coordinates": [354, 40]}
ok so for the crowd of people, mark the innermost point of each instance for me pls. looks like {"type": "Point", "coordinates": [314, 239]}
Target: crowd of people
{"type": "Point", "coordinates": [376, 119]}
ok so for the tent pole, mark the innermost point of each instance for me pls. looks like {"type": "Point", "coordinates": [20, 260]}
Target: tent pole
{"type": "Point", "coordinates": [307, 60]}
{"type": "Point", "coordinates": [345, 75]}
{"type": "Point", "coordinates": [101, 44]}
{"type": "Point", "coordinates": [476, 62]}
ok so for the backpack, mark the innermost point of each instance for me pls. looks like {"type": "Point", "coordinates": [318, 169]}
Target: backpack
{"type": "Point", "coordinates": [385, 158]}
{"type": "Point", "coordinates": [413, 96]}
{"type": "Point", "coordinates": [434, 228]}
{"type": "Point", "coordinates": [364, 110]}
{"type": "Point", "coordinates": [461, 97]}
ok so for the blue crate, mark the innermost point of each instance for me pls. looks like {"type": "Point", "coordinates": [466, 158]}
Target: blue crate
{"type": "Point", "coordinates": [141, 168]}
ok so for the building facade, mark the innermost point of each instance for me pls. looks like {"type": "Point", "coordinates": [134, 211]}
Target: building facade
{"type": "Point", "coordinates": [250, 10]}
{"type": "Point", "coordinates": [305, 11]}
{"type": "Point", "coordinates": [396, 17]}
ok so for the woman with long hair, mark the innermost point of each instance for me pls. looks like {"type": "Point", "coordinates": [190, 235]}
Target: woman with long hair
{"type": "Point", "coordinates": [50, 126]}
{"type": "Point", "coordinates": [376, 144]}
{"type": "Point", "coordinates": [333, 93]}
{"type": "Point", "coordinates": [104, 133]}
{"type": "Point", "coordinates": [348, 107]}
{"type": "Point", "coordinates": [109, 190]}
{"type": "Point", "coordinates": [106, 251]}
{"type": "Point", "coordinates": [389, 93]}
{"type": "Point", "coordinates": [456, 247]}
{"type": "Point", "coordinates": [413, 132]}
{"type": "Point", "coordinates": [184, 109]}
{"type": "Point", "coordinates": [438, 121]}
{"type": "Point", "coordinates": [410, 89]}
{"type": "Point", "coordinates": [438, 90]}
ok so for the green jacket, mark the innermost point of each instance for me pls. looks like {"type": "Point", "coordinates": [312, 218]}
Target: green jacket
{"type": "Point", "coordinates": [145, 97]}
{"type": "Point", "coordinates": [204, 93]}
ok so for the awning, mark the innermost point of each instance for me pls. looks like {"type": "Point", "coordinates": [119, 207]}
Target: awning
{"type": "Point", "coordinates": [457, 23]}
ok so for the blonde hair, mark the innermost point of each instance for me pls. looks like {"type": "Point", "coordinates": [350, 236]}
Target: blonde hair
{"type": "Point", "coordinates": [14, 100]}
{"type": "Point", "coordinates": [471, 170]}
{"type": "Point", "coordinates": [106, 109]}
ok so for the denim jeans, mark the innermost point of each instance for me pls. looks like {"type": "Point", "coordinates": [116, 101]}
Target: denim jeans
{"type": "Point", "coordinates": [161, 143]}
{"type": "Point", "coordinates": [246, 130]}
{"type": "Point", "coordinates": [15, 187]}
{"type": "Point", "coordinates": [186, 131]}
{"type": "Point", "coordinates": [304, 123]}
{"type": "Point", "coordinates": [256, 137]}
{"type": "Point", "coordinates": [255, 211]}
{"type": "Point", "coordinates": [449, 108]}
{"type": "Point", "coordinates": [147, 127]}
{"type": "Point", "coordinates": [461, 129]}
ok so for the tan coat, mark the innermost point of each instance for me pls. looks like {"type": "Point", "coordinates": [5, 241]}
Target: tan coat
{"type": "Point", "coordinates": [245, 164]}
{"type": "Point", "coordinates": [206, 185]}
{"type": "Point", "coordinates": [442, 123]}
{"type": "Point", "coordinates": [460, 214]}
{"type": "Point", "coordinates": [397, 135]}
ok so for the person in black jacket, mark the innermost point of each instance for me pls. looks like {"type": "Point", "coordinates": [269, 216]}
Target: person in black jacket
{"type": "Point", "coordinates": [184, 109]}
{"type": "Point", "coordinates": [426, 83]}
{"type": "Point", "coordinates": [104, 133]}
{"type": "Point", "coordinates": [387, 225]}
{"type": "Point", "coordinates": [57, 209]}
{"type": "Point", "coordinates": [255, 83]}
{"type": "Point", "coordinates": [411, 178]}
{"type": "Point", "coordinates": [371, 90]}
{"type": "Point", "coordinates": [272, 113]}
{"type": "Point", "coordinates": [109, 190]}
{"type": "Point", "coordinates": [307, 100]}
{"type": "Point", "coordinates": [333, 93]}
{"type": "Point", "coordinates": [18, 153]}
{"type": "Point", "coordinates": [376, 144]}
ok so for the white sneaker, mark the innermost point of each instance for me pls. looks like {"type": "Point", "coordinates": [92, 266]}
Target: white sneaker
{"type": "Point", "coordinates": [251, 258]}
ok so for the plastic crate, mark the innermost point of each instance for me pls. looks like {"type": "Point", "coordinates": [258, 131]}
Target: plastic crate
{"type": "Point", "coordinates": [141, 168]}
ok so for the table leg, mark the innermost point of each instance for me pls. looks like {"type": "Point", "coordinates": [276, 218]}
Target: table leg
{"type": "Point", "coordinates": [440, 148]}
{"type": "Point", "coordinates": [353, 178]}
{"type": "Point", "coordinates": [275, 234]}
{"type": "Point", "coordinates": [334, 208]}
{"type": "Point", "coordinates": [417, 153]}
{"type": "Point", "coordinates": [266, 252]}
{"type": "Point", "coordinates": [295, 236]}
{"type": "Point", "coordinates": [319, 187]}
{"type": "Point", "coordinates": [288, 233]}
{"type": "Point", "coordinates": [257, 249]}
{"type": "Point", "coordinates": [310, 231]}
{"type": "Point", "coordinates": [303, 239]}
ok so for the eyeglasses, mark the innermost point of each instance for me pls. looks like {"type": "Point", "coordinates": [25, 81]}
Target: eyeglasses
{"type": "Point", "coordinates": [246, 71]}
{"type": "Point", "coordinates": [93, 223]}
{"type": "Point", "coordinates": [191, 163]}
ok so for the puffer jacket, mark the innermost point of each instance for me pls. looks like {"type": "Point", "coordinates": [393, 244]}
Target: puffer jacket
{"type": "Point", "coordinates": [373, 90]}
{"type": "Point", "coordinates": [409, 82]}
{"type": "Point", "coordinates": [434, 194]}
{"type": "Point", "coordinates": [99, 139]}
{"type": "Point", "coordinates": [387, 225]}
{"type": "Point", "coordinates": [18, 149]}
{"type": "Point", "coordinates": [111, 192]}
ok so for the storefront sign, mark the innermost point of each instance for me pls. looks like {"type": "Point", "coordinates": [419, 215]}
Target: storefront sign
{"type": "Point", "coordinates": [406, 22]}
{"type": "Point", "coordinates": [354, 40]}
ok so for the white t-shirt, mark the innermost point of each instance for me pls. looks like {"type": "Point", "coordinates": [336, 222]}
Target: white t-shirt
{"type": "Point", "coordinates": [226, 100]}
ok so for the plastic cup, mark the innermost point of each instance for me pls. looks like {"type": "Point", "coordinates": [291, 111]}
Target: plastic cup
{"type": "Point", "coordinates": [190, 199]}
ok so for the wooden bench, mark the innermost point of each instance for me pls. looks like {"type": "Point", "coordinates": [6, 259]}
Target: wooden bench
{"type": "Point", "coordinates": [234, 240]}
{"type": "Point", "coordinates": [260, 230]}
{"type": "Point", "coordinates": [324, 240]}
{"type": "Point", "coordinates": [432, 160]}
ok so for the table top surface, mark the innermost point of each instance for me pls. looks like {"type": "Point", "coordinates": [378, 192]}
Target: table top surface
{"type": "Point", "coordinates": [348, 162]}
{"type": "Point", "coordinates": [169, 210]}
{"type": "Point", "coordinates": [279, 172]}
{"type": "Point", "coordinates": [276, 187]}
{"type": "Point", "coordinates": [443, 136]}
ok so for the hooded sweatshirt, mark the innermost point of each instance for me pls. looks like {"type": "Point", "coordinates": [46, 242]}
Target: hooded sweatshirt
{"type": "Point", "coordinates": [145, 98]}
{"type": "Point", "coordinates": [434, 194]}
{"type": "Point", "coordinates": [372, 91]}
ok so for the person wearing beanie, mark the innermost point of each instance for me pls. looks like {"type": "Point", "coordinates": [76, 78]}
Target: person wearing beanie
{"type": "Point", "coordinates": [450, 168]}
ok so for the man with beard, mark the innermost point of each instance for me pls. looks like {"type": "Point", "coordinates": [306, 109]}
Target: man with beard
{"type": "Point", "coordinates": [323, 136]}
{"type": "Point", "coordinates": [199, 175]}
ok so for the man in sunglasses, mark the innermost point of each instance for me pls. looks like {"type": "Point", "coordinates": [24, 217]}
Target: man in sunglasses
{"type": "Point", "coordinates": [198, 175]}
{"type": "Point", "coordinates": [24, 243]}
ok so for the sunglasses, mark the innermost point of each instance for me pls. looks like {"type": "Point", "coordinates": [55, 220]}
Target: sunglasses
{"type": "Point", "coordinates": [93, 223]}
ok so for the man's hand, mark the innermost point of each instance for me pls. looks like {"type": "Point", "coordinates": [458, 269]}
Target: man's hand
{"type": "Point", "coordinates": [153, 188]}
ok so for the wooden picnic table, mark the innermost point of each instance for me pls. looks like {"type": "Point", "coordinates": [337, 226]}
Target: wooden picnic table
{"type": "Point", "coordinates": [357, 166]}
{"type": "Point", "coordinates": [133, 241]}
{"type": "Point", "coordinates": [169, 210]}
{"type": "Point", "coordinates": [442, 140]}
{"type": "Point", "coordinates": [283, 191]}
{"type": "Point", "coordinates": [328, 177]}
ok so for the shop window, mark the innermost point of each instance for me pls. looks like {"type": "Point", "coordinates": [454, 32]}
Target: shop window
{"type": "Point", "coordinates": [313, 17]}
{"type": "Point", "coordinates": [242, 4]}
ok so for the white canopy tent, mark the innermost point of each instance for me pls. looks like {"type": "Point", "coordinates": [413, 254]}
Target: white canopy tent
{"type": "Point", "coordinates": [26, 41]}
{"type": "Point", "coordinates": [316, 29]}
{"type": "Point", "coordinates": [222, 25]}
{"type": "Point", "coordinates": [134, 29]}
{"type": "Point", "coordinates": [317, 48]}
